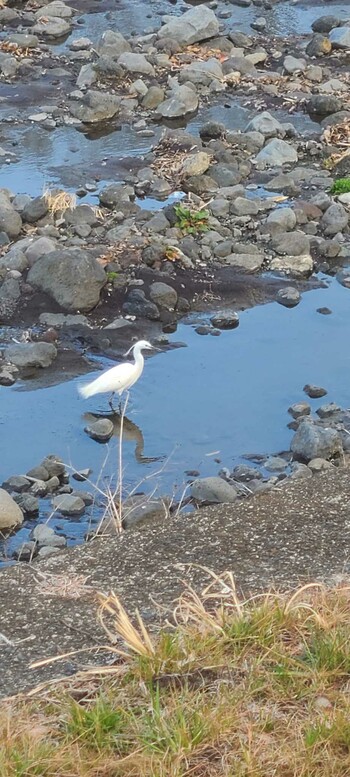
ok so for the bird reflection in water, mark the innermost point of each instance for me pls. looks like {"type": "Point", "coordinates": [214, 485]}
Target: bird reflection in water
{"type": "Point", "coordinates": [131, 433]}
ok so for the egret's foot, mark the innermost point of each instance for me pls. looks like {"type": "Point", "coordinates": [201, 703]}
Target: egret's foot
{"type": "Point", "coordinates": [110, 402]}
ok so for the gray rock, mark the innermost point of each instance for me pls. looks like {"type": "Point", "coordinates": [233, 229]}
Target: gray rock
{"type": "Point", "coordinates": [163, 295]}
{"type": "Point", "coordinates": [57, 8]}
{"type": "Point", "coordinates": [335, 219]}
{"type": "Point", "coordinates": [324, 104]}
{"type": "Point", "coordinates": [38, 488]}
{"type": "Point", "coordinates": [281, 220]}
{"type": "Point", "coordinates": [241, 206]}
{"type": "Point", "coordinates": [340, 38]}
{"type": "Point", "coordinates": [327, 411]}
{"type": "Point", "coordinates": [14, 259]}
{"type": "Point", "coordinates": [16, 483]}
{"type": "Point", "coordinates": [248, 263]}
{"type": "Point", "coordinates": [82, 474]}
{"type": "Point", "coordinates": [296, 266]}
{"type": "Point", "coordinates": [136, 63]}
{"type": "Point", "coordinates": [39, 473]}
{"type": "Point", "coordinates": [202, 72]}
{"type": "Point", "coordinates": [112, 44]}
{"type": "Point", "coordinates": [294, 65]}
{"type": "Point", "coordinates": [31, 354]}
{"type": "Point", "coordinates": [300, 409]}
{"type": "Point", "coordinates": [67, 504]}
{"type": "Point", "coordinates": [291, 243]}
{"type": "Point", "coordinates": [43, 534]}
{"type": "Point", "coordinates": [244, 474]}
{"type": "Point", "coordinates": [47, 550]}
{"type": "Point", "coordinates": [200, 23]}
{"type": "Point", "coordinates": [35, 210]}
{"type": "Point", "coordinates": [239, 65]}
{"type": "Point", "coordinates": [288, 296]}
{"type": "Point", "coordinates": [266, 124]}
{"type": "Point", "coordinates": [51, 28]}
{"type": "Point", "coordinates": [325, 23]}
{"type": "Point", "coordinates": [28, 503]}
{"type": "Point", "coordinates": [225, 175]}
{"type": "Point", "coordinates": [319, 465]}
{"type": "Point", "coordinates": [158, 223]}
{"type": "Point", "coordinates": [40, 246]}
{"type": "Point", "coordinates": [182, 101]}
{"type": "Point", "coordinates": [8, 374]}
{"type": "Point", "coordinates": [24, 39]}
{"type": "Point", "coordinates": [343, 277]}
{"type": "Point", "coordinates": [299, 471]}
{"type": "Point", "coordinates": [311, 442]}
{"type": "Point", "coordinates": [72, 277]}
{"type": "Point", "coordinates": [81, 214]}
{"type": "Point", "coordinates": [275, 464]}
{"type": "Point", "coordinates": [25, 552]}
{"type": "Point", "coordinates": [10, 513]}
{"type": "Point", "coordinates": [95, 107]}
{"type": "Point", "coordinates": [101, 430]}
{"type": "Point", "coordinates": [140, 509]}
{"type": "Point", "coordinates": [314, 392]}
{"type": "Point", "coordinates": [10, 220]}
{"type": "Point", "coordinates": [137, 305]}
{"type": "Point", "coordinates": [277, 153]}
{"type": "Point", "coordinates": [225, 319]}
{"type": "Point", "coordinates": [54, 466]}
{"type": "Point", "coordinates": [214, 490]}
{"type": "Point", "coordinates": [153, 97]}
{"type": "Point", "coordinates": [318, 46]}
{"type": "Point", "coordinates": [10, 292]}
{"type": "Point", "coordinates": [87, 76]}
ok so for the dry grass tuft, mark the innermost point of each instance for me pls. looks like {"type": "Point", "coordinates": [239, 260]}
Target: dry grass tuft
{"type": "Point", "coordinates": [59, 201]}
{"type": "Point", "coordinates": [254, 688]}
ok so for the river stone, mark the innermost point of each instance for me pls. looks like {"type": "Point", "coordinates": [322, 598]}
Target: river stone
{"type": "Point", "coordinates": [291, 243]}
{"type": "Point", "coordinates": [101, 430]}
{"type": "Point", "coordinates": [10, 293]}
{"type": "Point", "coordinates": [196, 164]}
{"type": "Point", "coordinates": [95, 107]}
{"type": "Point", "coordinates": [163, 295]}
{"type": "Point", "coordinates": [57, 8]}
{"type": "Point", "coordinates": [112, 44]}
{"type": "Point", "coordinates": [43, 534]}
{"type": "Point", "coordinates": [16, 483]}
{"type": "Point", "coordinates": [335, 219]}
{"type": "Point", "coordinates": [314, 392]}
{"type": "Point", "coordinates": [324, 104]}
{"type": "Point", "coordinates": [311, 442]}
{"type": "Point", "coordinates": [54, 465]}
{"type": "Point", "coordinates": [25, 552]}
{"type": "Point", "coordinates": [277, 153]}
{"type": "Point", "coordinates": [31, 354]}
{"type": "Point", "coordinates": [24, 40]}
{"type": "Point", "coordinates": [36, 209]}
{"type": "Point", "coordinates": [326, 411]}
{"type": "Point", "coordinates": [318, 465]}
{"type": "Point", "coordinates": [136, 63]}
{"type": "Point", "coordinates": [10, 513]}
{"type": "Point", "coordinates": [213, 489]}
{"type": "Point", "coordinates": [62, 319]}
{"type": "Point", "coordinates": [289, 297]}
{"type": "Point", "coordinates": [293, 65]}
{"type": "Point", "coordinates": [67, 504]}
{"type": "Point", "coordinates": [153, 97]}
{"type": "Point", "coordinates": [296, 266]}
{"type": "Point", "coordinates": [200, 23]}
{"type": "Point", "coordinates": [325, 23]}
{"type": "Point", "coordinates": [281, 220]}
{"type": "Point", "coordinates": [225, 319]}
{"type": "Point", "coordinates": [72, 277]}
{"type": "Point", "coordinates": [10, 220]}
{"type": "Point", "coordinates": [242, 206]}
{"type": "Point", "coordinates": [39, 247]}
{"type": "Point", "coordinates": [182, 101]}
{"type": "Point", "coordinates": [137, 305]}
{"type": "Point", "coordinates": [266, 124]}
{"type": "Point", "coordinates": [340, 38]}
{"type": "Point", "coordinates": [275, 464]}
{"type": "Point", "coordinates": [318, 46]}
{"type": "Point", "coordinates": [87, 76]}
{"type": "Point", "coordinates": [39, 473]}
{"type": "Point", "coordinates": [139, 509]}
{"type": "Point", "coordinates": [52, 27]}
{"type": "Point", "coordinates": [202, 72]}
{"type": "Point", "coordinates": [248, 263]}
{"type": "Point", "coordinates": [299, 410]}
{"type": "Point", "coordinates": [15, 259]}
{"type": "Point", "coordinates": [28, 503]}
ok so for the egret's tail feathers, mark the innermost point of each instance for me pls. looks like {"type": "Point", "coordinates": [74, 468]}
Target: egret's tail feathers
{"type": "Point", "coordinates": [88, 390]}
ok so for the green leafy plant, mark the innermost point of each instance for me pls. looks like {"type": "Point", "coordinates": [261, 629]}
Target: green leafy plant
{"type": "Point", "coordinates": [111, 276]}
{"type": "Point", "coordinates": [191, 221]}
{"type": "Point", "coordinates": [341, 186]}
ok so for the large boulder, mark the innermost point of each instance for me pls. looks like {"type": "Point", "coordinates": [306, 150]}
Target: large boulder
{"type": "Point", "coordinates": [312, 441]}
{"type": "Point", "coordinates": [277, 153]}
{"type": "Point", "coordinates": [10, 513]}
{"type": "Point", "coordinates": [112, 44]}
{"type": "Point", "coordinates": [10, 220]}
{"type": "Point", "coordinates": [95, 107]}
{"type": "Point", "coordinates": [200, 23]}
{"type": "Point", "coordinates": [72, 277]}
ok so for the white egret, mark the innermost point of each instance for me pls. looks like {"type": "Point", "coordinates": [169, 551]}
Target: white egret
{"type": "Point", "coordinates": [119, 378]}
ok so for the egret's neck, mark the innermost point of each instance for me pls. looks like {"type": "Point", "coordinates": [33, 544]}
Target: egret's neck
{"type": "Point", "coordinates": [139, 360]}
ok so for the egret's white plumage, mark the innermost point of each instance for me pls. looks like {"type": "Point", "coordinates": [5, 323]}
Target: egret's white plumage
{"type": "Point", "coordinates": [119, 378]}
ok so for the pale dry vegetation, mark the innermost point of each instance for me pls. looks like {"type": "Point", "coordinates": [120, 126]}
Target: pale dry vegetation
{"type": "Point", "coordinates": [229, 688]}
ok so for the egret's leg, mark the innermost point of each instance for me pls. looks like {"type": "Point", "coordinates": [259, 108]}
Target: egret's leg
{"type": "Point", "coordinates": [110, 402]}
